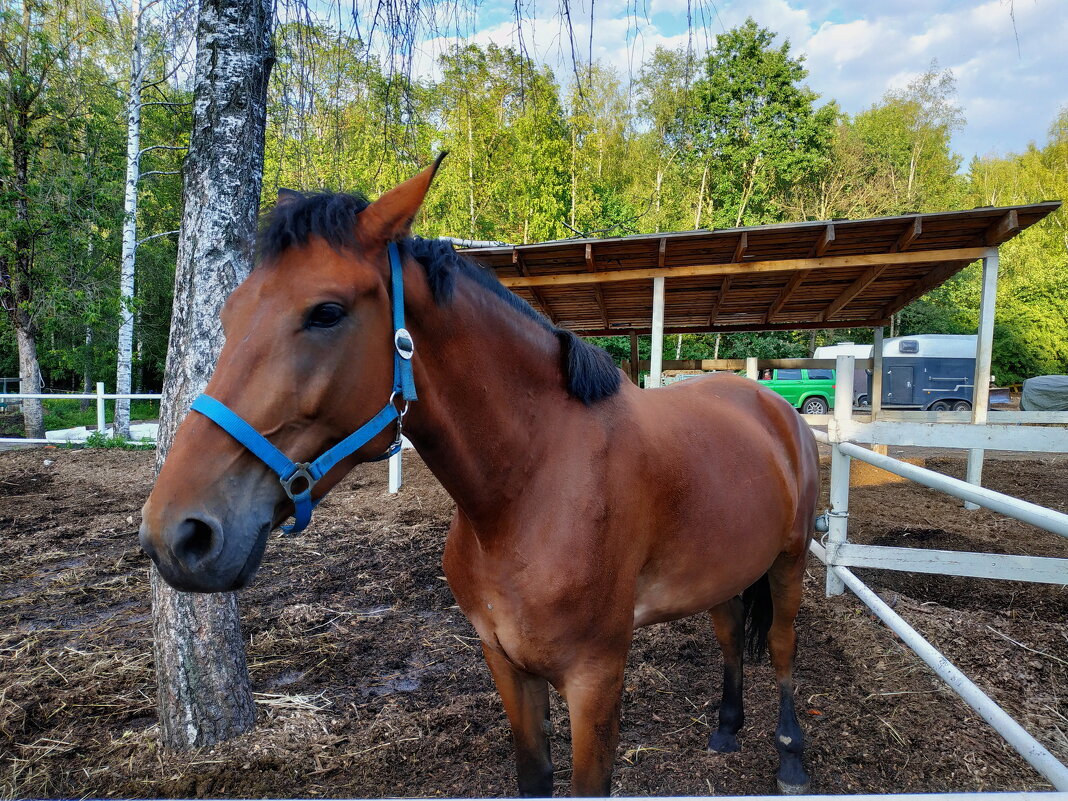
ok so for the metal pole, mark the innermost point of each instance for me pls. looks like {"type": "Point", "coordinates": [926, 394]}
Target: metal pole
{"type": "Point", "coordinates": [396, 477]}
{"type": "Point", "coordinates": [838, 515]}
{"type": "Point", "coordinates": [100, 425]}
{"type": "Point", "coordinates": [983, 353]}
{"type": "Point", "coordinates": [656, 357]}
{"type": "Point", "coordinates": [1027, 746]}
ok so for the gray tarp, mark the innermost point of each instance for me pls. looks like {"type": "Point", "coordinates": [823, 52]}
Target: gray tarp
{"type": "Point", "coordinates": [1045, 393]}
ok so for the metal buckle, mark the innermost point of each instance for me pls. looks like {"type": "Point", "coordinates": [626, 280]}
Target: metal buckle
{"type": "Point", "coordinates": [400, 412]}
{"type": "Point", "coordinates": [403, 342]}
{"type": "Point", "coordinates": [300, 472]}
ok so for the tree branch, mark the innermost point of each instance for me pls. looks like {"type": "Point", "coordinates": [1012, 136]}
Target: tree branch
{"type": "Point", "coordinates": [156, 236]}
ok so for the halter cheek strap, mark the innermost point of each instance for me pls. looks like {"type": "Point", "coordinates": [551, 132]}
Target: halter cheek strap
{"type": "Point", "coordinates": [306, 474]}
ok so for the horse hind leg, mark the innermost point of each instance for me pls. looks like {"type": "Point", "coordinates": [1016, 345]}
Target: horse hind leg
{"type": "Point", "coordinates": [784, 582]}
{"type": "Point", "coordinates": [728, 621]}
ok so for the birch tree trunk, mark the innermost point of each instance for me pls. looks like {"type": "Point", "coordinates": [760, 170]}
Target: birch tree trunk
{"type": "Point", "coordinates": [204, 692]}
{"type": "Point", "coordinates": [129, 230]}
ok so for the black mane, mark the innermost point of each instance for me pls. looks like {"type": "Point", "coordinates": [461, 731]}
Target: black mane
{"type": "Point", "coordinates": [591, 373]}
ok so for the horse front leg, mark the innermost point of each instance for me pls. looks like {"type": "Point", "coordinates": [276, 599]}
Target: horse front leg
{"type": "Point", "coordinates": [526, 702]}
{"type": "Point", "coordinates": [593, 696]}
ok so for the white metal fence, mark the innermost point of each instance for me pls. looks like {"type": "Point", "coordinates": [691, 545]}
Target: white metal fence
{"type": "Point", "coordinates": [844, 431]}
{"type": "Point", "coordinates": [100, 396]}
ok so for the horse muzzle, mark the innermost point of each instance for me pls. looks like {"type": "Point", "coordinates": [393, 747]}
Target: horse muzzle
{"type": "Point", "coordinates": [198, 553]}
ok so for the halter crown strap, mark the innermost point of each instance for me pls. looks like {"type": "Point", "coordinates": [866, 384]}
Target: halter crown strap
{"type": "Point", "coordinates": [290, 472]}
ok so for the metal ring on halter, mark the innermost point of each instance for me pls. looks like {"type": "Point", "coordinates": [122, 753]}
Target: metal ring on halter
{"type": "Point", "coordinates": [400, 412]}
{"type": "Point", "coordinates": [300, 472]}
{"type": "Point", "coordinates": [403, 342]}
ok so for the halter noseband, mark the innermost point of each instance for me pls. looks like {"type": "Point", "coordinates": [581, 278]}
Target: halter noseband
{"type": "Point", "coordinates": [290, 472]}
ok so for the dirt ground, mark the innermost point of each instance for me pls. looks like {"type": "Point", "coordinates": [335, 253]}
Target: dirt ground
{"type": "Point", "coordinates": [369, 681]}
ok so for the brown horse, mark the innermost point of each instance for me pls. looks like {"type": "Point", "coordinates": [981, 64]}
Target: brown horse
{"type": "Point", "coordinates": [585, 507]}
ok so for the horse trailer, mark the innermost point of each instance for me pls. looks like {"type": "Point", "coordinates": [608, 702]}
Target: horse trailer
{"type": "Point", "coordinates": [927, 371]}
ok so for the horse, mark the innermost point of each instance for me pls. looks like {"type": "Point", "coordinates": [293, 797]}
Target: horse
{"type": "Point", "coordinates": [585, 506]}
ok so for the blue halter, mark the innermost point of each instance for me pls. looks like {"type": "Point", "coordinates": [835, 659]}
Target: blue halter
{"type": "Point", "coordinates": [289, 471]}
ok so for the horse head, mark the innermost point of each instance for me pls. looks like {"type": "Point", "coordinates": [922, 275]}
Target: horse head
{"type": "Point", "coordinates": [310, 357]}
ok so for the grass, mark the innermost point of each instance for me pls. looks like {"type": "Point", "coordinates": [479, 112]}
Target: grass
{"type": "Point", "coordinates": [59, 414]}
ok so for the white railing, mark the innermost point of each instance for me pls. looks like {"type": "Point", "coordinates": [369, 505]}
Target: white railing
{"type": "Point", "coordinates": [1048, 432]}
{"type": "Point", "coordinates": [100, 396]}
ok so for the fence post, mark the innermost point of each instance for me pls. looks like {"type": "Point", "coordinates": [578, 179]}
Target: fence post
{"type": "Point", "coordinates": [396, 477]}
{"type": "Point", "coordinates": [751, 369]}
{"type": "Point", "coordinates": [656, 355]}
{"type": "Point", "coordinates": [838, 515]}
{"type": "Point", "coordinates": [983, 350]}
{"type": "Point", "coordinates": [100, 424]}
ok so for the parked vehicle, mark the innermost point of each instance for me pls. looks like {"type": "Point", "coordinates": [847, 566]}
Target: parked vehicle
{"type": "Point", "coordinates": [934, 372]}
{"type": "Point", "coordinates": [810, 391]}
{"type": "Point", "coordinates": [860, 374]}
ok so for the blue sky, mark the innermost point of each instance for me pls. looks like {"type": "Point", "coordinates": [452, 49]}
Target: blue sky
{"type": "Point", "coordinates": [1010, 57]}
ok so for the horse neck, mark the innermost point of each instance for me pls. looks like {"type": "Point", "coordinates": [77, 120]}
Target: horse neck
{"type": "Point", "coordinates": [490, 384]}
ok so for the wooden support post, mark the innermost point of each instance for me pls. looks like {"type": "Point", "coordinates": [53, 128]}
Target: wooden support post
{"type": "Point", "coordinates": [876, 399]}
{"type": "Point", "coordinates": [838, 515]}
{"type": "Point", "coordinates": [635, 368]}
{"type": "Point", "coordinates": [656, 357]}
{"type": "Point", "coordinates": [752, 370]}
{"type": "Point", "coordinates": [983, 353]}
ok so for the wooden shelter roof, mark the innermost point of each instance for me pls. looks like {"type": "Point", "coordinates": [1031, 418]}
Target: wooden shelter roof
{"type": "Point", "coordinates": [831, 274]}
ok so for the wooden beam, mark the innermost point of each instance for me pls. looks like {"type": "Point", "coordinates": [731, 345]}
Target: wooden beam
{"type": "Point", "coordinates": [921, 287]}
{"type": "Point", "coordinates": [517, 260]}
{"type": "Point", "coordinates": [740, 248]}
{"type": "Point", "coordinates": [853, 290]}
{"type": "Point", "coordinates": [825, 239]}
{"type": "Point", "coordinates": [955, 255]}
{"type": "Point", "coordinates": [634, 363]}
{"type": "Point", "coordinates": [717, 304]}
{"type": "Point", "coordinates": [1005, 228]}
{"type": "Point", "coordinates": [909, 235]}
{"type": "Point", "coordinates": [704, 329]}
{"type": "Point", "coordinates": [598, 293]}
{"type": "Point", "coordinates": [795, 281]}
{"type": "Point", "coordinates": [661, 254]}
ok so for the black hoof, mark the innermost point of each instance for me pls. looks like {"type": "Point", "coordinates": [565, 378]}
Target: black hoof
{"type": "Point", "coordinates": [793, 789]}
{"type": "Point", "coordinates": [723, 743]}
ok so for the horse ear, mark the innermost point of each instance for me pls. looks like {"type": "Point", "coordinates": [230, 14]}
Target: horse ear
{"type": "Point", "coordinates": [390, 217]}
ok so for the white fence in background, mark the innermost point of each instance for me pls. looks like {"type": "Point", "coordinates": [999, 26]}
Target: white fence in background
{"type": "Point", "coordinates": [1047, 434]}
{"type": "Point", "coordinates": [100, 396]}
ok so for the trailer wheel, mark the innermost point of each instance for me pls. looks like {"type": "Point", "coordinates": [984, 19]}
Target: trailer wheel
{"type": "Point", "coordinates": [862, 400]}
{"type": "Point", "coordinates": [940, 406]}
{"type": "Point", "coordinates": [962, 406]}
{"type": "Point", "coordinates": [814, 405]}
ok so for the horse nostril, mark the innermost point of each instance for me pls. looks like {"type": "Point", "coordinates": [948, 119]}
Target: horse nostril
{"type": "Point", "coordinates": [195, 541]}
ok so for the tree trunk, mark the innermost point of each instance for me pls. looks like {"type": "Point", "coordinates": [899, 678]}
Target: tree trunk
{"type": "Point", "coordinates": [29, 375]}
{"type": "Point", "coordinates": [129, 231]}
{"type": "Point", "coordinates": [701, 198]}
{"type": "Point", "coordinates": [204, 692]}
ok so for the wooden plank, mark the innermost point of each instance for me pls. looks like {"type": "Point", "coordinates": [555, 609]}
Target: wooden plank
{"type": "Point", "coordinates": [825, 239]}
{"type": "Point", "coordinates": [740, 248]}
{"type": "Point", "coordinates": [955, 255]}
{"type": "Point", "coordinates": [724, 288]}
{"type": "Point", "coordinates": [784, 294]}
{"type": "Point", "coordinates": [624, 330]}
{"type": "Point", "coordinates": [909, 235]}
{"type": "Point", "coordinates": [598, 293]}
{"type": "Point", "coordinates": [924, 285]}
{"type": "Point", "coordinates": [991, 437]}
{"type": "Point", "coordinates": [661, 253]}
{"type": "Point", "coordinates": [854, 289]}
{"type": "Point", "coordinates": [1005, 228]}
{"type": "Point", "coordinates": [635, 367]}
{"type": "Point", "coordinates": [517, 260]}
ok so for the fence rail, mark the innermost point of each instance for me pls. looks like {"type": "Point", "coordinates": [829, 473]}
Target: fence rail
{"type": "Point", "coordinates": [100, 396]}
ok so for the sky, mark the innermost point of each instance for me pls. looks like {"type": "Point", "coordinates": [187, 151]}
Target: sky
{"type": "Point", "coordinates": [1009, 57]}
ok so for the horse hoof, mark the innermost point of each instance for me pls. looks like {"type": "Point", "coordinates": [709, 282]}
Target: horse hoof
{"type": "Point", "coordinates": [793, 789]}
{"type": "Point", "coordinates": [721, 743]}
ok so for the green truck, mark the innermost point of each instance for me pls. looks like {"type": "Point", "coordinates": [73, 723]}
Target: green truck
{"type": "Point", "coordinates": [810, 391]}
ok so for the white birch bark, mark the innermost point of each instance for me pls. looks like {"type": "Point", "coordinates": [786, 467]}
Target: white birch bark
{"type": "Point", "coordinates": [129, 228]}
{"type": "Point", "coordinates": [204, 692]}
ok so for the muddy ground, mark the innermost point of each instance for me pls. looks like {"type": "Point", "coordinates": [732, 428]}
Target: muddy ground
{"type": "Point", "coordinates": [369, 681]}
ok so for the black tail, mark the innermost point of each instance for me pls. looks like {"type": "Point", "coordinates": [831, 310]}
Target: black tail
{"type": "Point", "coordinates": [758, 614]}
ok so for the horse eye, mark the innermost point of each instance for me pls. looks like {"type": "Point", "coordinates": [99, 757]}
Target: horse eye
{"type": "Point", "coordinates": [325, 315]}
